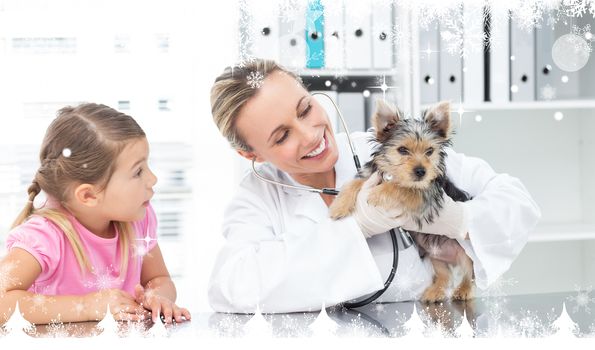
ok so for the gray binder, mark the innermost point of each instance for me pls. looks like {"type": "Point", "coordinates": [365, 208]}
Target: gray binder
{"type": "Point", "coordinates": [429, 63]}
{"type": "Point", "coordinates": [522, 63]}
{"type": "Point", "coordinates": [549, 77]}
{"type": "Point", "coordinates": [353, 108]}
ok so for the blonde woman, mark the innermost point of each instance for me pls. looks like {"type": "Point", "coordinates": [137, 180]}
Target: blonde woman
{"type": "Point", "coordinates": [85, 249]}
{"type": "Point", "coordinates": [283, 253]}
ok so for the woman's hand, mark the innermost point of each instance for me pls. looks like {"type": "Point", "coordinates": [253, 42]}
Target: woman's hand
{"type": "Point", "coordinates": [160, 305]}
{"type": "Point", "coordinates": [450, 222]}
{"type": "Point", "coordinates": [122, 305]}
{"type": "Point", "coordinates": [371, 219]}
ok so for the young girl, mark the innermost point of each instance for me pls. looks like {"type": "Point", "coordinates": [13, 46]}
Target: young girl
{"type": "Point", "coordinates": [93, 243]}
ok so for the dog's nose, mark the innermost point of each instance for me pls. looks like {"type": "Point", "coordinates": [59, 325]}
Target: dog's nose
{"type": "Point", "coordinates": [419, 172]}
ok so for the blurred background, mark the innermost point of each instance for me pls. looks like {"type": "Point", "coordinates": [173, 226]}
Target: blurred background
{"type": "Point", "coordinates": [519, 76]}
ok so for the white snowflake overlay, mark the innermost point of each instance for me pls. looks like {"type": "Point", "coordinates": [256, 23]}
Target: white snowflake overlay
{"type": "Point", "coordinates": [255, 79]}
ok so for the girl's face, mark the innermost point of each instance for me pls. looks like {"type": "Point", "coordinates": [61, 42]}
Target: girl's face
{"type": "Point", "coordinates": [130, 188]}
{"type": "Point", "coordinates": [287, 127]}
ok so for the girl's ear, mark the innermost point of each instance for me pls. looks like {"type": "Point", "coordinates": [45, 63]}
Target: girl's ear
{"type": "Point", "coordinates": [250, 155]}
{"type": "Point", "coordinates": [86, 195]}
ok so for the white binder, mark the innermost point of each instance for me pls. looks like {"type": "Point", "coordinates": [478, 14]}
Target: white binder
{"type": "Point", "coordinates": [264, 29]}
{"type": "Point", "coordinates": [330, 109]}
{"type": "Point", "coordinates": [473, 61]}
{"type": "Point", "coordinates": [450, 75]}
{"type": "Point", "coordinates": [522, 63]}
{"type": "Point", "coordinates": [292, 42]}
{"type": "Point", "coordinates": [429, 60]}
{"type": "Point", "coordinates": [358, 33]}
{"type": "Point", "coordinates": [334, 34]}
{"type": "Point", "coordinates": [382, 44]}
{"type": "Point", "coordinates": [353, 108]}
{"type": "Point", "coordinates": [499, 55]}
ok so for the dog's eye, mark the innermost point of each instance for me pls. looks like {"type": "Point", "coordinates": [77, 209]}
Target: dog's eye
{"type": "Point", "coordinates": [429, 151]}
{"type": "Point", "coordinates": [402, 150]}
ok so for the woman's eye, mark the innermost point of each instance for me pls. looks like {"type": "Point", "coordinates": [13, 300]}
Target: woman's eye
{"type": "Point", "coordinates": [429, 151]}
{"type": "Point", "coordinates": [306, 111]}
{"type": "Point", "coordinates": [403, 151]}
{"type": "Point", "coordinates": [283, 138]}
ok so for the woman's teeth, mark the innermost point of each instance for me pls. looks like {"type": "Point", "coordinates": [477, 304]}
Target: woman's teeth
{"type": "Point", "coordinates": [318, 150]}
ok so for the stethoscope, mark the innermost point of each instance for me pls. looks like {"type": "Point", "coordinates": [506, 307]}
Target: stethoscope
{"type": "Point", "coordinates": [405, 237]}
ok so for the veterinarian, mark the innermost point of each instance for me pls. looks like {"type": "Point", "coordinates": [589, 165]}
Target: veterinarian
{"type": "Point", "coordinates": [283, 252]}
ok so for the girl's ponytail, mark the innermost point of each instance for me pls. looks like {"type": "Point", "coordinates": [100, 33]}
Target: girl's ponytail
{"type": "Point", "coordinates": [32, 192]}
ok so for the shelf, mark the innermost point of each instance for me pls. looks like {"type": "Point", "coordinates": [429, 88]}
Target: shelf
{"type": "Point", "coordinates": [341, 72]}
{"type": "Point", "coordinates": [563, 232]}
{"type": "Point", "coordinates": [530, 105]}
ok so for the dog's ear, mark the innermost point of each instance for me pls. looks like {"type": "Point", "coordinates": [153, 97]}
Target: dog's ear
{"type": "Point", "coordinates": [438, 117]}
{"type": "Point", "coordinates": [385, 119]}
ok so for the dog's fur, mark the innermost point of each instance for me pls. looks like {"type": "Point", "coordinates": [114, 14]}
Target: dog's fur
{"type": "Point", "coordinates": [412, 152]}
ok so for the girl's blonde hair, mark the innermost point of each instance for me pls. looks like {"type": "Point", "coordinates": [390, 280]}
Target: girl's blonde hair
{"type": "Point", "coordinates": [232, 89]}
{"type": "Point", "coordinates": [81, 146]}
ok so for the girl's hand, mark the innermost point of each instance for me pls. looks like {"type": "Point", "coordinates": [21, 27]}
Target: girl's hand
{"type": "Point", "coordinates": [122, 305]}
{"type": "Point", "coordinates": [158, 305]}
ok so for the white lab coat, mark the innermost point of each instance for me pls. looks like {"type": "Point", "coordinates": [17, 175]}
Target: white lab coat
{"type": "Point", "coordinates": [284, 252]}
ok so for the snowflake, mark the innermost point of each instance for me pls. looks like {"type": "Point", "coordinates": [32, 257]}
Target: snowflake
{"type": "Point", "coordinates": [105, 279]}
{"type": "Point", "coordinates": [78, 307]}
{"type": "Point", "coordinates": [548, 92]}
{"type": "Point", "coordinates": [585, 34]}
{"type": "Point", "coordinates": [56, 329]}
{"type": "Point", "coordinates": [582, 300]}
{"type": "Point", "coordinates": [39, 302]}
{"type": "Point", "coordinates": [255, 79]}
{"type": "Point", "coordinates": [6, 279]}
{"type": "Point", "coordinates": [463, 35]}
{"type": "Point", "coordinates": [575, 8]}
{"type": "Point", "coordinates": [379, 309]}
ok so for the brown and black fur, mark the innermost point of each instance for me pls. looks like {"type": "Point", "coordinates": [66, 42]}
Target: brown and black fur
{"type": "Point", "coordinates": [412, 153]}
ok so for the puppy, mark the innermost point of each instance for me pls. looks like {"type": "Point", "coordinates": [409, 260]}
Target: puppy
{"type": "Point", "coordinates": [410, 161]}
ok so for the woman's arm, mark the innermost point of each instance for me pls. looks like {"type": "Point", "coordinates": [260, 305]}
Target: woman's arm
{"type": "Point", "coordinates": [285, 254]}
{"type": "Point", "coordinates": [499, 217]}
{"type": "Point", "coordinates": [20, 269]}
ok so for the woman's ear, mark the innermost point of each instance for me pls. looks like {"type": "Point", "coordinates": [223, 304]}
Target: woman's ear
{"type": "Point", "coordinates": [250, 155]}
{"type": "Point", "coordinates": [86, 195]}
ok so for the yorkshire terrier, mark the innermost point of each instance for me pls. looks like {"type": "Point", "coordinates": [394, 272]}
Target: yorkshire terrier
{"type": "Point", "coordinates": [410, 161]}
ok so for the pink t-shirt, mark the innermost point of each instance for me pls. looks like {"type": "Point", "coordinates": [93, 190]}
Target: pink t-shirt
{"type": "Point", "coordinates": [60, 272]}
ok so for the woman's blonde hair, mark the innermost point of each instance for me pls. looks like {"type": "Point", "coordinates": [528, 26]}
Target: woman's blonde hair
{"type": "Point", "coordinates": [232, 89]}
{"type": "Point", "coordinates": [81, 146]}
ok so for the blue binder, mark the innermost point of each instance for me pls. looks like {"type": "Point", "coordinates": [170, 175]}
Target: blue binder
{"type": "Point", "coordinates": [315, 34]}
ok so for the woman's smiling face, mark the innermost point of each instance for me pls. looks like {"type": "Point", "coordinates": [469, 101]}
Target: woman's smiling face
{"type": "Point", "coordinates": [286, 126]}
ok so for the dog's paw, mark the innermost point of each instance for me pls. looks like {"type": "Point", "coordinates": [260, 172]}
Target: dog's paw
{"type": "Point", "coordinates": [340, 210]}
{"type": "Point", "coordinates": [463, 292]}
{"type": "Point", "coordinates": [434, 294]}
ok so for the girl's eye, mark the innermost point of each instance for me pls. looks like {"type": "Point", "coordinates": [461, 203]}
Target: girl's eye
{"type": "Point", "coordinates": [283, 138]}
{"type": "Point", "coordinates": [138, 172]}
{"type": "Point", "coordinates": [429, 151]}
{"type": "Point", "coordinates": [403, 151]}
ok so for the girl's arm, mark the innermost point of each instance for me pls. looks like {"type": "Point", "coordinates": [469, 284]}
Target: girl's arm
{"type": "Point", "coordinates": [19, 270]}
{"type": "Point", "coordinates": [157, 291]}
